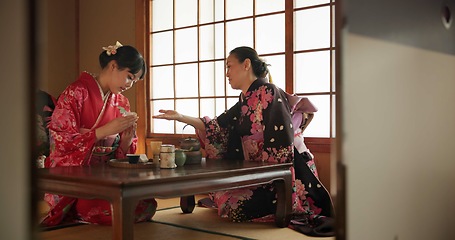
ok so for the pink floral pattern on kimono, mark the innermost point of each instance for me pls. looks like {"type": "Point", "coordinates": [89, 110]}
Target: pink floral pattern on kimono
{"type": "Point", "coordinates": [258, 128]}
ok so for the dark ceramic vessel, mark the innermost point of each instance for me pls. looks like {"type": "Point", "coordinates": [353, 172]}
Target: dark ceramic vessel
{"type": "Point", "coordinates": [133, 159]}
{"type": "Point", "coordinates": [190, 144]}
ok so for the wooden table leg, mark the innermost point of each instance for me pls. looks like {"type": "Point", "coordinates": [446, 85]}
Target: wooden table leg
{"type": "Point", "coordinates": [187, 204]}
{"type": "Point", "coordinates": [284, 201]}
{"type": "Point", "coordinates": [123, 219]}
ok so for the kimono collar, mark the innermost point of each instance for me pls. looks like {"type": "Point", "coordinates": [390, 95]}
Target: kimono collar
{"type": "Point", "coordinates": [254, 85]}
{"type": "Point", "coordinates": [103, 96]}
{"type": "Point", "coordinates": [257, 83]}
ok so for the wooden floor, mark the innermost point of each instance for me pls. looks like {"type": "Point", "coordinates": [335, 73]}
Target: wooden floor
{"type": "Point", "coordinates": [170, 223]}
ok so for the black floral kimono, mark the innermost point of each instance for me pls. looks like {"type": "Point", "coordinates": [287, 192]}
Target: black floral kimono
{"type": "Point", "coordinates": [259, 128]}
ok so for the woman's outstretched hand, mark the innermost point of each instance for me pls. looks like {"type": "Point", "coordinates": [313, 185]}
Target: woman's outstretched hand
{"type": "Point", "coordinates": [174, 115]}
{"type": "Point", "coordinates": [169, 115]}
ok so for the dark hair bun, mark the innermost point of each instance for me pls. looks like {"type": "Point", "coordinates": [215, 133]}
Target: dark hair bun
{"type": "Point", "coordinates": [260, 68]}
{"type": "Point", "coordinates": [125, 56]}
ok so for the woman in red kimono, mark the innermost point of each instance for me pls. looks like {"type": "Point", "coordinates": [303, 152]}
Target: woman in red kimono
{"type": "Point", "coordinates": [260, 128]}
{"type": "Point", "coordinates": [91, 124]}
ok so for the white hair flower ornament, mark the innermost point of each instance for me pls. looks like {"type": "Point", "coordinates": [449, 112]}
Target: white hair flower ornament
{"type": "Point", "coordinates": [112, 50]}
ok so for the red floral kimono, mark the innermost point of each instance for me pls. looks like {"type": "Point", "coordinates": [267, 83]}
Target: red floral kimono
{"type": "Point", "coordinates": [260, 128]}
{"type": "Point", "coordinates": [80, 109]}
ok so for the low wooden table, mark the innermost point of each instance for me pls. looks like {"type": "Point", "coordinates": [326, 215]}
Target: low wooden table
{"type": "Point", "coordinates": [124, 187]}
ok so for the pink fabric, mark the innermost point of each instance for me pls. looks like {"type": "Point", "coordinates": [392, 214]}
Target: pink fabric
{"type": "Point", "coordinates": [299, 105]}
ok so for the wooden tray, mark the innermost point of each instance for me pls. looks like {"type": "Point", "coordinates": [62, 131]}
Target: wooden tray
{"type": "Point", "coordinates": [123, 163]}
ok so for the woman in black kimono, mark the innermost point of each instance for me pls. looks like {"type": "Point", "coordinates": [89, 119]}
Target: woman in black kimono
{"type": "Point", "coordinates": [259, 127]}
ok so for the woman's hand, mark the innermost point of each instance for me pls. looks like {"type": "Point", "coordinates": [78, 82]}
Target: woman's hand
{"type": "Point", "coordinates": [130, 132]}
{"type": "Point", "coordinates": [174, 115]}
{"type": "Point", "coordinates": [127, 137]}
{"type": "Point", "coordinates": [169, 115]}
{"type": "Point", "coordinates": [117, 125]}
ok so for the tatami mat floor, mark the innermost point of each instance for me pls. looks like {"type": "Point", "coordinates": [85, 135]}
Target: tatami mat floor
{"type": "Point", "coordinates": [170, 223]}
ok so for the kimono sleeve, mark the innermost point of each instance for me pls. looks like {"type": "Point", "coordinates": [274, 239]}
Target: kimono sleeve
{"type": "Point", "coordinates": [220, 139]}
{"type": "Point", "coordinates": [277, 125]}
{"type": "Point", "coordinates": [69, 147]}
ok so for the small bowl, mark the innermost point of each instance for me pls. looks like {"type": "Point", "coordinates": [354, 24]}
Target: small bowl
{"type": "Point", "coordinates": [133, 158]}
